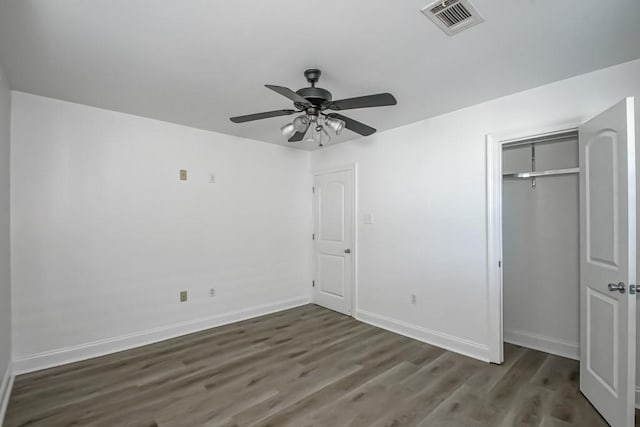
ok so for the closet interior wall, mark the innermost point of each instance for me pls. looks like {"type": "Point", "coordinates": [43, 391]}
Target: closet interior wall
{"type": "Point", "coordinates": [541, 274]}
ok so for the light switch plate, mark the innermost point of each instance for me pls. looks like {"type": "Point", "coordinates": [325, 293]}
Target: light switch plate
{"type": "Point", "coordinates": [183, 174]}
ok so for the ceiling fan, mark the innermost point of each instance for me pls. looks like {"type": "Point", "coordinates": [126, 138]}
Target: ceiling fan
{"type": "Point", "coordinates": [313, 102]}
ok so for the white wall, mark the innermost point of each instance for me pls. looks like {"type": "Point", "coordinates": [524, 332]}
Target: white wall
{"type": "Point", "coordinates": [5, 259]}
{"type": "Point", "coordinates": [105, 235]}
{"type": "Point", "coordinates": [425, 186]}
{"type": "Point", "coordinates": [541, 247]}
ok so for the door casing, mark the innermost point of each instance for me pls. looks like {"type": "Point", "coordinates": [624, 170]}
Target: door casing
{"type": "Point", "coordinates": [495, 309]}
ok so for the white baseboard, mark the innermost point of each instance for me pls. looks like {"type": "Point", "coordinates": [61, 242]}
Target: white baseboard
{"type": "Point", "coordinates": [439, 339]}
{"type": "Point", "coordinates": [544, 343]}
{"type": "Point", "coordinates": [637, 397]}
{"type": "Point", "coordinates": [5, 391]}
{"type": "Point", "coordinates": [62, 356]}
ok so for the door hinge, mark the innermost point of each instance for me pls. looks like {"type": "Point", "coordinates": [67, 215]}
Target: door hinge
{"type": "Point", "coordinates": [313, 236]}
{"type": "Point", "coordinates": [499, 264]}
{"type": "Point", "coordinates": [313, 189]}
{"type": "Point", "coordinates": [313, 283]}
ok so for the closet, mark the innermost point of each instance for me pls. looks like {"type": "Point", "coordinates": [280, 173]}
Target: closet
{"type": "Point", "coordinates": [541, 238]}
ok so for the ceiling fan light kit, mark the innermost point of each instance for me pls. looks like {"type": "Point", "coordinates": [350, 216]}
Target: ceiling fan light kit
{"type": "Point", "coordinates": [312, 102]}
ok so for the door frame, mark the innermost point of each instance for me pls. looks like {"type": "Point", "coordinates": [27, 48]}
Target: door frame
{"type": "Point", "coordinates": [353, 168]}
{"type": "Point", "coordinates": [495, 309]}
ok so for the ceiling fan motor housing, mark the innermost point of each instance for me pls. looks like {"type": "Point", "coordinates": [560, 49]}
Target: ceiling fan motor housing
{"type": "Point", "coordinates": [315, 95]}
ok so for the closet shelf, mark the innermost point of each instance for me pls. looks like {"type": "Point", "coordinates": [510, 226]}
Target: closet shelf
{"type": "Point", "coordinates": [536, 174]}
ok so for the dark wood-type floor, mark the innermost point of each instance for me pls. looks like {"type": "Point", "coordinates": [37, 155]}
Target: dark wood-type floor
{"type": "Point", "coordinates": [303, 367]}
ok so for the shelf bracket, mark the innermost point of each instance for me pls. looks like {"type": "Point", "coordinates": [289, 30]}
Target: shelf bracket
{"type": "Point", "coordinates": [533, 165]}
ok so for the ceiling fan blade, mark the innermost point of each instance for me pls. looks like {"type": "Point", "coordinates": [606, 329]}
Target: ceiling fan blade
{"type": "Point", "coordinates": [354, 125]}
{"type": "Point", "coordinates": [286, 92]}
{"type": "Point", "coordinates": [378, 100]}
{"type": "Point", "coordinates": [260, 116]}
{"type": "Point", "coordinates": [298, 136]}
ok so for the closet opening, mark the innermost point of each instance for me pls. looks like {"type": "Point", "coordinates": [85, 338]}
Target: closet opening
{"type": "Point", "coordinates": [541, 243]}
{"type": "Point", "coordinates": [562, 253]}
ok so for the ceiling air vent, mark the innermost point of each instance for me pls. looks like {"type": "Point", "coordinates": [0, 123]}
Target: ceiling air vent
{"type": "Point", "coordinates": [453, 16]}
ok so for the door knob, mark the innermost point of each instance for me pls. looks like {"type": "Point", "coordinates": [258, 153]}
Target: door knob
{"type": "Point", "coordinates": [347, 251]}
{"type": "Point", "coordinates": [617, 287]}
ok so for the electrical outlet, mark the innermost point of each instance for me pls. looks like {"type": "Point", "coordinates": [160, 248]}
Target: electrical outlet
{"type": "Point", "coordinates": [183, 174]}
{"type": "Point", "coordinates": [413, 299]}
{"type": "Point", "coordinates": [212, 292]}
{"type": "Point", "coordinates": [212, 178]}
{"type": "Point", "coordinates": [183, 296]}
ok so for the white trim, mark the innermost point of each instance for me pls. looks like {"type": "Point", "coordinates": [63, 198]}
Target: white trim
{"type": "Point", "coordinates": [513, 136]}
{"type": "Point", "coordinates": [353, 168]}
{"type": "Point", "coordinates": [494, 230]}
{"type": "Point", "coordinates": [439, 339]}
{"type": "Point", "coordinates": [342, 168]}
{"type": "Point", "coordinates": [5, 391]}
{"type": "Point", "coordinates": [544, 343]}
{"type": "Point", "coordinates": [354, 266]}
{"type": "Point", "coordinates": [494, 250]}
{"type": "Point", "coordinates": [62, 356]}
{"type": "Point", "coordinates": [637, 397]}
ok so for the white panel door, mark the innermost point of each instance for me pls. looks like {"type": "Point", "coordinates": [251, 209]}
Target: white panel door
{"type": "Point", "coordinates": [333, 246]}
{"type": "Point", "coordinates": [608, 263]}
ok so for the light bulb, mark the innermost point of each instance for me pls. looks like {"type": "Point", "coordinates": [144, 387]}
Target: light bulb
{"type": "Point", "coordinates": [301, 124]}
{"type": "Point", "coordinates": [288, 130]}
{"type": "Point", "coordinates": [335, 124]}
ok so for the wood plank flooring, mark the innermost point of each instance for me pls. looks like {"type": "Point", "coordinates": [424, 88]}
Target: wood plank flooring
{"type": "Point", "coordinates": [302, 367]}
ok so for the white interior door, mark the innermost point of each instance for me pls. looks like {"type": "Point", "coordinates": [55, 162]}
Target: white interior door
{"type": "Point", "coordinates": [608, 263]}
{"type": "Point", "coordinates": [333, 240]}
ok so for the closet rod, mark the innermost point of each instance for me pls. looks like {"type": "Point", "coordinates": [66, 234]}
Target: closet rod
{"type": "Point", "coordinates": [553, 172]}
{"type": "Point", "coordinates": [541, 140]}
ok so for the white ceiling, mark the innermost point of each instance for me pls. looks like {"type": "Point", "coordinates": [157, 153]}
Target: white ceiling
{"type": "Point", "coordinates": [198, 62]}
